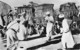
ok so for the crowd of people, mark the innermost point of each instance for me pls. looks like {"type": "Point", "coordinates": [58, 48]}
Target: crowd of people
{"type": "Point", "coordinates": [20, 27]}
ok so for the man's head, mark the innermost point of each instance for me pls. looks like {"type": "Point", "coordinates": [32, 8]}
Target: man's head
{"type": "Point", "coordinates": [61, 16]}
{"type": "Point", "coordinates": [48, 14]}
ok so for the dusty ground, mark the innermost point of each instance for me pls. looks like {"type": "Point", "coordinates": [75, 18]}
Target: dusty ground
{"type": "Point", "coordinates": [40, 44]}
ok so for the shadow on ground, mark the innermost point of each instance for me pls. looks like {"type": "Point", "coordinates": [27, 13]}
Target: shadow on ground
{"type": "Point", "coordinates": [43, 45]}
{"type": "Point", "coordinates": [77, 46]}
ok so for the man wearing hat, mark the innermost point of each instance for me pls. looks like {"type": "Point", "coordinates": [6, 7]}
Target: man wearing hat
{"type": "Point", "coordinates": [67, 39]}
{"type": "Point", "coordinates": [49, 18]}
{"type": "Point", "coordinates": [13, 28]}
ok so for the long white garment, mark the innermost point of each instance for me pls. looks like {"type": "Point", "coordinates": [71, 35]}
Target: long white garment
{"type": "Point", "coordinates": [22, 32]}
{"type": "Point", "coordinates": [49, 29]}
{"type": "Point", "coordinates": [49, 26]}
{"type": "Point", "coordinates": [10, 33]}
{"type": "Point", "coordinates": [67, 36]}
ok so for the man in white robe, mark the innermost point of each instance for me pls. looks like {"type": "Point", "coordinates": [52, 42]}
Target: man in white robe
{"type": "Point", "coordinates": [67, 39]}
{"type": "Point", "coordinates": [22, 30]}
{"type": "Point", "coordinates": [13, 28]}
{"type": "Point", "coordinates": [49, 26]}
{"type": "Point", "coordinates": [11, 32]}
{"type": "Point", "coordinates": [22, 34]}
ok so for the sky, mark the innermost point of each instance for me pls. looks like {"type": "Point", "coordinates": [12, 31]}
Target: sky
{"type": "Point", "coordinates": [57, 3]}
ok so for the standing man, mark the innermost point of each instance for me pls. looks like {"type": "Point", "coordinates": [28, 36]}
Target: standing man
{"type": "Point", "coordinates": [13, 28]}
{"type": "Point", "coordinates": [23, 31]}
{"type": "Point", "coordinates": [67, 39]}
{"type": "Point", "coordinates": [49, 18]}
{"type": "Point", "coordinates": [12, 31]}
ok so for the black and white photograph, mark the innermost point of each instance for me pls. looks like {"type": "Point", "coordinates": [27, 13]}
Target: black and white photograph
{"type": "Point", "coordinates": [39, 24]}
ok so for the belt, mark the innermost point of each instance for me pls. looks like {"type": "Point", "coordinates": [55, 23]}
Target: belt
{"type": "Point", "coordinates": [13, 30]}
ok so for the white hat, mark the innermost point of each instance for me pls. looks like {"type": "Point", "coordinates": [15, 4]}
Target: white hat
{"type": "Point", "coordinates": [47, 12]}
{"type": "Point", "coordinates": [61, 16]}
